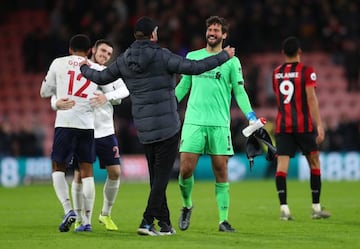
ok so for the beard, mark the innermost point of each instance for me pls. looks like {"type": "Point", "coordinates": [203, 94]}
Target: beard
{"type": "Point", "coordinates": [213, 43]}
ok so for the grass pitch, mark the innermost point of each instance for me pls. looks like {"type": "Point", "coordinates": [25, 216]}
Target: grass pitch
{"type": "Point", "coordinates": [30, 216]}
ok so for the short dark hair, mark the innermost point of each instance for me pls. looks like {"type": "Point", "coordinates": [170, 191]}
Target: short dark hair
{"type": "Point", "coordinates": [144, 27]}
{"type": "Point", "coordinates": [218, 20]}
{"type": "Point", "coordinates": [103, 41]}
{"type": "Point", "coordinates": [291, 46]}
{"type": "Point", "coordinates": [80, 43]}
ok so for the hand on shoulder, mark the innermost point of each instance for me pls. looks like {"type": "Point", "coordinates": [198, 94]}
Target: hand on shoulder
{"type": "Point", "coordinates": [230, 51]}
{"type": "Point", "coordinates": [84, 62]}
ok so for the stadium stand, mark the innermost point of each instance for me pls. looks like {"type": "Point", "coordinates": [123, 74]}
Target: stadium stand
{"type": "Point", "coordinates": [19, 95]}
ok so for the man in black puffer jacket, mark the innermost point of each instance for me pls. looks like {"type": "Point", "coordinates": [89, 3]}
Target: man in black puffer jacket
{"type": "Point", "coordinates": [149, 73]}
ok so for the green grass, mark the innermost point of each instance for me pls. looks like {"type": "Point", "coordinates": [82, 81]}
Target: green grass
{"type": "Point", "coordinates": [30, 215]}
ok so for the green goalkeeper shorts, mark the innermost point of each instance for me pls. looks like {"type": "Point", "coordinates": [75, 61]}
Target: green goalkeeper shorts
{"type": "Point", "coordinates": [211, 140]}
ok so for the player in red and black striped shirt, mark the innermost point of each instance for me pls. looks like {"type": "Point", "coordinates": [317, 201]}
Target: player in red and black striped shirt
{"type": "Point", "coordinates": [298, 124]}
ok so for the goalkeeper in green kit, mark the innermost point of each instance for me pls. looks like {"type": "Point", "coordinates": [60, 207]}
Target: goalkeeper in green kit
{"type": "Point", "coordinates": [206, 128]}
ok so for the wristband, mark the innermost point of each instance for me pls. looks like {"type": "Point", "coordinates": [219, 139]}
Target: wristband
{"type": "Point", "coordinates": [251, 116]}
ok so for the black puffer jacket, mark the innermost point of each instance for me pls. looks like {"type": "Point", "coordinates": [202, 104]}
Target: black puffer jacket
{"type": "Point", "coordinates": [149, 73]}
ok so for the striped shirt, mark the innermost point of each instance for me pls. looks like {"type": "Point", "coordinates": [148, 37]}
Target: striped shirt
{"type": "Point", "coordinates": [289, 83]}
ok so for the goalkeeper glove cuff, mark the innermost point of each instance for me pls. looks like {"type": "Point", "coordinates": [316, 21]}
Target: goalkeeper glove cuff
{"type": "Point", "coordinates": [251, 116]}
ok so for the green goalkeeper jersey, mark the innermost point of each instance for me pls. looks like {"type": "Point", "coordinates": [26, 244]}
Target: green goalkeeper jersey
{"type": "Point", "coordinates": [210, 96]}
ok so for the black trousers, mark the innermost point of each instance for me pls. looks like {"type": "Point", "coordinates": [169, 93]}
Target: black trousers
{"type": "Point", "coordinates": [160, 157]}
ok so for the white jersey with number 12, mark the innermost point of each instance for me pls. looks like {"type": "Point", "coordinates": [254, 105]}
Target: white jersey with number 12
{"type": "Point", "coordinates": [65, 80]}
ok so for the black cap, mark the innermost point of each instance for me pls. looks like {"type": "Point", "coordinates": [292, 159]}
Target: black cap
{"type": "Point", "coordinates": [145, 25]}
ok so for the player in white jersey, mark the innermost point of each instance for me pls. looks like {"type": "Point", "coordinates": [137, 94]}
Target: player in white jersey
{"type": "Point", "coordinates": [105, 139]}
{"type": "Point", "coordinates": [74, 128]}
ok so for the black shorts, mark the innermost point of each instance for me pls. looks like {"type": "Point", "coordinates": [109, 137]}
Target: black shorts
{"type": "Point", "coordinates": [107, 150]}
{"type": "Point", "coordinates": [72, 142]}
{"type": "Point", "coordinates": [289, 143]}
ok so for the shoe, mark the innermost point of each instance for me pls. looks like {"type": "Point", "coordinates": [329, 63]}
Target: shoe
{"type": "Point", "coordinates": [285, 213]}
{"type": "Point", "coordinates": [147, 229]}
{"type": "Point", "coordinates": [166, 229]}
{"type": "Point", "coordinates": [322, 214]}
{"type": "Point", "coordinates": [225, 227]}
{"type": "Point", "coordinates": [285, 216]}
{"type": "Point", "coordinates": [67, 221]}
{"type": "Point", "coordinates": [77, 224]}
{"type": "Point", "coordinates": [184, 220]}
{"type": "Point", "coordinates": [84, 228]}
{"type": "Point", "coordinates": [108, 222]}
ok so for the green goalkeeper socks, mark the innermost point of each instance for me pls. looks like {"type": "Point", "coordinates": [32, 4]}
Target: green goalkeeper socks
{"type": "Point", "coordinates": [222, 199]}
{"type": "Point", "coordinates": [186, 187]}
{"type": "Point", "coordinates": [221, 193]}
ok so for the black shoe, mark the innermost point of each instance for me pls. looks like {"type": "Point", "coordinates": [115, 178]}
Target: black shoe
{"type": "Point", "coordinates": [184, 220]}
{"type": "Point", "coordinates": [225, 227]}
{"type": "Point", "coordinates": [166, 229]}
{"type": "Point", "coordinates": [147, 229]}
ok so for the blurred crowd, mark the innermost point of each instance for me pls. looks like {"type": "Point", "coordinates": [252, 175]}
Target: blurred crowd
{"type": "Point", "coordinates": [24, 139]}
{"type": "Point", "coordinates": [256, 26]}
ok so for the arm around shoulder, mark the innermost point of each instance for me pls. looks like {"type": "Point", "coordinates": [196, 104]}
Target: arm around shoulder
{"type": "Point", "coordinates": [104, 77]}
{"type": "Point", "coordinates": [181, 65]}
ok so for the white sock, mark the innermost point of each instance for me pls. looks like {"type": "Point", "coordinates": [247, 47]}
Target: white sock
{"type": "Point", "coordinates": [61, 188]}
{"type": "Point", "coordinates": [316, 207]}
{"type": "Point", "coordinates": [285, 208]}
{"type": "Point", "coordinates": [111, 188]}
{"type": "Point", "coordinates": [89, 197]}
{"type": "Point", "coordinates": [78, 199]}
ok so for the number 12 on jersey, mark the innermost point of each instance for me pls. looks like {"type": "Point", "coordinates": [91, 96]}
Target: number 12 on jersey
{"type": "Point", "coordinates": [78, 79]}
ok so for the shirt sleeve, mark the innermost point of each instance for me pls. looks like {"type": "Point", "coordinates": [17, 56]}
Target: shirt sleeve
{"type": "Point", "coordinates": [48, 85]}
{"type": "Point", "coordinates": [183, 87]}
{"type": "Point", "coordinates": [181, 65]}
{"type": "Point", "coordinates": [237, 81]}
{"type": "Point", "coordinates": [53, 102]}
{"type": "Point", "coordinates": [310, 76]}
{"type": "Point", "coordinates": [118, 93]}
{"type": "Point", "coordinates": [242, 99]}
{"type": "Point", "coordinates": [102, 77]}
